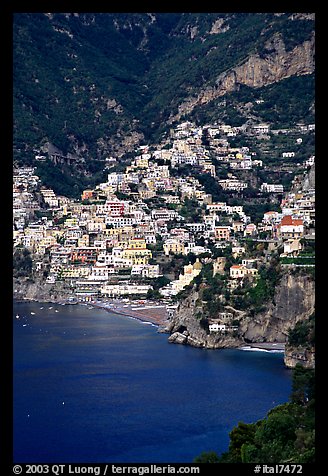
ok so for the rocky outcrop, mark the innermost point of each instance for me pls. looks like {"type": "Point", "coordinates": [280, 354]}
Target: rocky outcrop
{"type": "Point", "coordinates": [185, 328]}
{"type": "Point", "coordinates": [309, 180]}
{"type": "Point", "coordinates": [299, 355]}
{"type": "Point", "coordinates": [294, 301]}
{"type": "Point", "coordinates": [39, 290]}
{"type": "Point", "coordinates": [257, 71]}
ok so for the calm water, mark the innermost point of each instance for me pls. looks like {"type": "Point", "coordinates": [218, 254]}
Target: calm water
{"type": "Point", "coordinates": [91, 386]}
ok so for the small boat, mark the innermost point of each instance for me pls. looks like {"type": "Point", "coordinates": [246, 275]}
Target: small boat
{"type": "Point", "coordinates": [17, 316]}
{"type": "Point", "coordinates": [33, 313]}
{"type": "Point", "coordinates": [56, 310]}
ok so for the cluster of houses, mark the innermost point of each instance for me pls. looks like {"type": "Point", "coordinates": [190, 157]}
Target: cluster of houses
{"type": "Point", "coordinates": [103, 245]}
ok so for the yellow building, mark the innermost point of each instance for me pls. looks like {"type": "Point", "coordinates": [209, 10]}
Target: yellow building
{"type": "Point", "coordinates": [173, 246]}
{"type": "Point", "coordinates": [137, 251]}
{"type": "Point", "coordinates": [142, 162]}
{"type": "Point", "coordinates": [189, 273]}
{"type": "Point", "coordinates": [44, 243]}
{"type": "Point", "coordinates": [74, 271]}
{"type": "Point", "coordinates": [69, 222]}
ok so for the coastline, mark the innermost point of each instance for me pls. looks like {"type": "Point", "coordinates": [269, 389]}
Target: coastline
{"type": "Point", "coordinates": [278, 347]}
{"type": "Point", "coordinates": [152, 313]}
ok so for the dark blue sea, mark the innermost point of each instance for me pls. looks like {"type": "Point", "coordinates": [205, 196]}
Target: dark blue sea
{"type": "Point", "coordinates": [95, 387]}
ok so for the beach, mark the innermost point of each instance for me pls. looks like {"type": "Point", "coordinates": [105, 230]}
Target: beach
{"type": "Point", "coordinates": [147, 312]}
{"type": "Point", "coordinates": [156, 314]}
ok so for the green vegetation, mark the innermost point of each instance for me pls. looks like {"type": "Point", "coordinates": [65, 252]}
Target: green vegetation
{"type": "Point", "coordinates": [303, 334]}
{"type": "Point", "coordinates": [212, 187]}
{"type": "Point", "coordinates": [253, 295]}
{"type": "Point", "coordinates": [263, 291]}
{"type": "Point", "coordinates": [191, 210]}
{"type": "Point", "coordinates": [299, 260]}
{"type": "Point", "coordinates": [286, 435]}
{"type": "Point", "coordinates": [22, 263]}
{"type": "Point", "coordinates": [85, 82]}
{"type": "Point", "coordinates": [63, 182]}
{"type": "Point", "coordinates": [284, 103]}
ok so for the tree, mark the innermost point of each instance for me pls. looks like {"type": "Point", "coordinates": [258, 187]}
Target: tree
{"type": "Point", "coordinates": [302, 385]}
{"type": "Point", "coordinates": [160, 282]}
{"type": "Point", "coordinates": [22, 263]}
{"type": "Point", "coordinates": [207, 457]}
{"type": "Point", "coordinates": [302, 334]}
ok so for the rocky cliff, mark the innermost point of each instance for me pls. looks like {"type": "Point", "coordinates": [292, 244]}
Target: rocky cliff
{"type": "Point", "coordinates": [39, 290]}
{"type": "Point", "coordinates": [257, 71]}
{"type": "Point", "coordinates": [185, 328]}
{"type": "Point", "coordinates": [294, 301]}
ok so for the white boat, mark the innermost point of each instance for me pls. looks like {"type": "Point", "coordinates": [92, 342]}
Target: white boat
{"type": "Point", "coordinates": [32, 313]}
{"type": "Point", "coordinates": [17, 316]}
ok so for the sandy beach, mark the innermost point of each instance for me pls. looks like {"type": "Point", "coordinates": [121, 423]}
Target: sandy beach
{"type": "Point", "coordinates": [147, 312]}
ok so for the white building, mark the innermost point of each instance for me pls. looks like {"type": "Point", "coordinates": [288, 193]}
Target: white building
{"type": "Point", "coordinates": [272, 188]}
{"type": "Point", "coordinates": [259, 129]}
{"type": "Point", "coordinates": [117, 290]}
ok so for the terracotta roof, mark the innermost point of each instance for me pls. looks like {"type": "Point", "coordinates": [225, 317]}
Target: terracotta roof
{"type": "Point", "coordinates": [288, 220]}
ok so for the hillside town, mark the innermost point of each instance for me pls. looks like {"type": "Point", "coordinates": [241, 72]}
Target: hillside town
{"type": "Point", "coordinates": [122, 238]}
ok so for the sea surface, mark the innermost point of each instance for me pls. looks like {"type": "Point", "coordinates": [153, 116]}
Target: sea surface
{"type": "Point", "coordinates": [95, 387]}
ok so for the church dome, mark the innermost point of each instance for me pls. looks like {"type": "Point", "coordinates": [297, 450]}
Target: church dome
{"type": "Point", "coordinates": [198, 264]}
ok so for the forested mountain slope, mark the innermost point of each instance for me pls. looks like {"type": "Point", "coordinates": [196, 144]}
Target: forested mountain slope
{"type": "Point", "coordinates": [99, 84]}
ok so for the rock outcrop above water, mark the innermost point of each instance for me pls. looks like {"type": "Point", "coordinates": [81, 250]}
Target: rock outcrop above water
{"type": "Point", "coordinates": [39, 290]}
{"type": "Point", "coordinates": [299, 355]}
{"type": "Point", "coordinates": [294, 301]}
{"type": "Point", "coordinates": [185, 328]}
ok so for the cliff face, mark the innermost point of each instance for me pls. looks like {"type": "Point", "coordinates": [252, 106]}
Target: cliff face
{"type": "Point", "coordinates": [294, 301]}
{"type": "Point", "coordinates": [126, 74]}
{"type": "Point", "coordinates": [40, 291]}
{"type": "Point", "coordinates": [185, 328]}
{"type": "Point", "coordinates": [309, 180]}
{"type": "Point", "coordinates": [257, 71]}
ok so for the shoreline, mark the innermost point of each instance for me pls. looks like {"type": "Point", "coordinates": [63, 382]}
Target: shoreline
{"type": "Point", "coordinates": [156, 315]}
{"type": "Point", "coordinates": [151, 314]}
{"type": "Point", "coordinates": [278, 347]}
{"type": "Point", "coordinates": [147, 312]}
